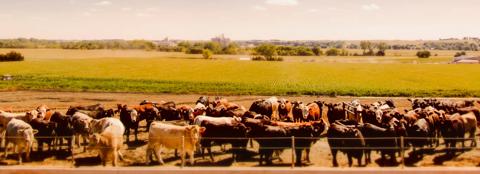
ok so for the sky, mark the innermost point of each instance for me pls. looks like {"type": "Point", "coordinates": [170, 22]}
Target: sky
{"type": "Point", "coordinates": [240, 19]}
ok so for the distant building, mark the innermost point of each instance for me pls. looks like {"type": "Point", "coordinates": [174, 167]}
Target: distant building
{"type": "Point", "coordinates": [224, 41]}
{"type": "Point", "coordinates": [466, 60]}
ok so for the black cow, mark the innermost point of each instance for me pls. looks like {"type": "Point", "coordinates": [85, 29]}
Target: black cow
{"type": "Point", "coordinates": [335, 112]}
{"type": "Point", "coordinates": [63, 129]}
{"type": "Point", "coordinates": [45, 132]}
{"type": "Point", "coordinates": [168, 111]}
{"type": "Point", "coordinates": [378, 138]}
{"type": "Point", "coordinates": [261, 107]}
{"type": "Point", "coordinates": [346, 139]}
{"type": "Point", "coordinates": [234, 134]}
{"type": "Point", "coordinates": [420, 132]}
{"type": "Point", "coordinates": [128, 117]}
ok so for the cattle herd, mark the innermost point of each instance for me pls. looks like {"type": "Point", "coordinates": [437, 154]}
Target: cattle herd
{"type": "Point", "coordinates": [353, 128]}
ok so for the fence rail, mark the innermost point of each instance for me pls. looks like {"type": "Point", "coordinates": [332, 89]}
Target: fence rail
{"type": "Point", "coordinates": [402, 144]}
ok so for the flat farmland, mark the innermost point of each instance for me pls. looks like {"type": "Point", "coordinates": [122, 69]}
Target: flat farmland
{"type": "Point", "coordinates": [117, 71]}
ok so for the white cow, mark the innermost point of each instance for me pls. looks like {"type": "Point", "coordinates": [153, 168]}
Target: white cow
{"type": "Point", "coordinates": [163, 135]}
{"type": "Point", "coordinates": [228, 120]}
{"type": "Point", "coordinates": [21, 134]}
{"type": "Point", "coordinates": [5, 117]}
{"type": "Point", "coordinates": [107, 139]}
{"type": "Point", "coordinates": [275, 103]}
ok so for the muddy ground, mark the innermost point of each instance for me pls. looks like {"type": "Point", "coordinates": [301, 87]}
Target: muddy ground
{"type": "Point", "coordinates": [134, 153]}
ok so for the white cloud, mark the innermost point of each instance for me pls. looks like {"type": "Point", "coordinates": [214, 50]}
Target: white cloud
{"type": "Point", "coordinates": [86, 13]}
{"type": "Point", "coordinates": [103, 3]}
{"type": "Point", "coordinates": [282, 2]}
{"type": "Point", "coordinates": [370, 7]}
{"type": "Point", "coordinates": [259, 8]}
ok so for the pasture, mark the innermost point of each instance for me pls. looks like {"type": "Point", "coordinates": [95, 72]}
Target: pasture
{"type": "Point", "coordinates": [157, 72]}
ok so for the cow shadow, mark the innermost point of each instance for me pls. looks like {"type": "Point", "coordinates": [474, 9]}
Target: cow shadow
{"type": "Point", "coordinates": [387, 162]}
{"type": "Point", "coordinates": [135, 144]}
{"type": "Point", "coordinates": [88, 161]}
{"type": "Point", "coordinates": [244, 156]}
{"type": "Point", "coordinates": [42, 155]}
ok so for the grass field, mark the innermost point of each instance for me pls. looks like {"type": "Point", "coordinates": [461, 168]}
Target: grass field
{"type": "Point", "coordinates": [138, 71]}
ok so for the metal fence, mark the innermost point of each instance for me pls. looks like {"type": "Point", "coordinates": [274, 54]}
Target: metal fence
{"type": "Point", "coordinates": [402, 144]}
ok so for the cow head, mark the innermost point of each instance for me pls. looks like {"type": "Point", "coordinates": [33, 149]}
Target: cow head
{"type": "Point", "coordinates": [193, 133]}
{"type": "Point", "coordinates": [30, 115]}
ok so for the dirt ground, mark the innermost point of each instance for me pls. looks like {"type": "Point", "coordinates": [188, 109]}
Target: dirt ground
{"type": "Point", "coordinates": [134, 153]}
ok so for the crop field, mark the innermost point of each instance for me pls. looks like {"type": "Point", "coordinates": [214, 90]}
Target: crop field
{"type": "Point", "coordinates": [140, 71]}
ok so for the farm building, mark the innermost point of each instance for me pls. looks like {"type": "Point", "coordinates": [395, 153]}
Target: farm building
{"type": "Point", "coordinates": [466, 60]}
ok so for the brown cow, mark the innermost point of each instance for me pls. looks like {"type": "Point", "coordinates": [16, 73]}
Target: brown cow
{"type": "Point", "coordinates": [314, 112]}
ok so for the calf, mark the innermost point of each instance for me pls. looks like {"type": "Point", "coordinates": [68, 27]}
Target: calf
{"type": "Point", "coordinates": [21, 134]}
{"type": "Point", "coordinates": [45, 132]}
{"type": "Point", "coordinates": [129, 119]}
{"type": "Point", "coordinates": [299, 111]}
{"type": "Point", "coordinates": [345, 139]}
{"type": "Point", "coordinates": [162, 135]}
{"type": "Point", "coordinates": [81, 123]}
{"type": "Point", "coordinates": [63, 129]}
{"type": "Point", "coordinates": [109, 139]}
{"type": "Point", "coordinates": [285, 110]}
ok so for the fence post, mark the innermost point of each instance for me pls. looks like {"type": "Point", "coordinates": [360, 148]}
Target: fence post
{"type": "Point", "coordinates": [183, 152]}
{"type": "Point", "coordinates": [293, 152]}
{"type": "Point", "coordinates": [402, 150]}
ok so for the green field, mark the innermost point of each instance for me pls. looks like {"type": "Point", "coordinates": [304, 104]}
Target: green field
{"type": "Point", "coordinates": [138, 71]}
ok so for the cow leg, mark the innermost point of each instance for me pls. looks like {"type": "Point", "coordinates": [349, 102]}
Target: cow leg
{"type": "Point", "coordinates": [148, 155]}
{"type": "Point", "coordinates": [277, 153]}
{"type": "Point", "coordinates": [308, 155]}
{"type": "Point", "coordinates": [349, 156]}
{"type": "Point", "coordinates": [114, 157]}
{"type": "Point", "coordinates": [6, 148]}
{"type": "Point", "coordinates": [127, 133]}
{"type": "Point", "coordinates": [262, 154]}
{"type": "Point", "coordinates": [268, 156]}
{"type": "Point", "coordinates": [334, 158]}
{"type": "Point", "coordinates": [136, 133]}
{"type": "Point", "coordinates": [20, 152]}
{"type": "Point", "coordinates": [209, 149]}
{"type": "Point", "coordinates": [472, 137]}
{"type": "Point", "coordinates": [298, 153]}
{"type": "Point", "coordinates": [158, 152]}
{"type": "Point", "coordinates": [192, 158]}
{"type": "Point", "coordinates": [120, 155]}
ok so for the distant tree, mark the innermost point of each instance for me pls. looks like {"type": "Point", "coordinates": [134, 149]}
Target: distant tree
{"type": "Point", "coordinates": [11, 56]}
{"type": "Point", "coordinates": [232, 48]}
{"type": "Point", "coordinates": [317, 51]}
{"type": "Point", "coordinates": [423, 54]}
{"type": "Point", "coordinates": [382, 46]}
{"type": "Point", "coordinates": [332, 52]}
{"type": "Point", "coordinates": [207, 54]}
{"type": "Point", "coordinates": [266, 52]}
{"type": "Point", "coordinates": [458, 54]}
{"type": "Point", "coordinates": [215, 47]}
{"type": "Point", "coordinates": [364, 45]}
{"type": "Point", "coordinates": [304, 51]}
